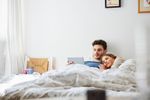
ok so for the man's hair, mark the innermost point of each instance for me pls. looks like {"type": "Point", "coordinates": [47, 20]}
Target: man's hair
{"type": "Point", "coordinates": [100, 42]}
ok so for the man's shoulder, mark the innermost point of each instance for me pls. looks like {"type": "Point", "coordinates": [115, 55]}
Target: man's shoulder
{"type": "Point", "coordinates": [91, 59]}
{"type": "Point", "coordinates": [92, 62]}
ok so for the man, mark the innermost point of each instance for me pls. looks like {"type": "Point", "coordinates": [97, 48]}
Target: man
{"type": "Point", "coordinates": [99, 48]}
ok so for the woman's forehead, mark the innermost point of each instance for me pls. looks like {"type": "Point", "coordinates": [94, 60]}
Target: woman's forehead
{"type": "Point", "coordinates": [105, 57]}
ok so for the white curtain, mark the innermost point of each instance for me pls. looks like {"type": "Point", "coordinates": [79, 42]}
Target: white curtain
{"type": "Point", "coordinates": [3, 32]}
{"type": "Point", "coordinates": [13, 35]}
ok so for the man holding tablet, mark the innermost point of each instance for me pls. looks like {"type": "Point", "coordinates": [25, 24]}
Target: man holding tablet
{"type": "Point", "coordinates": [99, 48]}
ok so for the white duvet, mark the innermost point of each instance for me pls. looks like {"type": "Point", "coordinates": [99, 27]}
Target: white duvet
{"type": "Point", "coordinates": [9, 81]}
{"type": "Point", "coordinates": [75, 80]}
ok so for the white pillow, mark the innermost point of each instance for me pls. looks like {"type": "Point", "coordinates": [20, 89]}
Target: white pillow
{"type": "Point", "coordinates": [118, 61]}
{"type": "Point", "coordinates": [128, 65]}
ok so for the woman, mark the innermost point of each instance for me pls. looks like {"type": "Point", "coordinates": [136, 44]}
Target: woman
{"type": "Point", "coordinates": [109, 60]}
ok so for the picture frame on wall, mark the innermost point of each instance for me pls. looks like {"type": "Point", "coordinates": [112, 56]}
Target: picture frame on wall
{"type": "Point", "coordinates": [143, 6]}
{"type": "Point", "coordinates": [112, 3]}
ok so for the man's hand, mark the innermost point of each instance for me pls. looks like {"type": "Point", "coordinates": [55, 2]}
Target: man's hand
{"type": "Point", "coordinates": [70, 62]}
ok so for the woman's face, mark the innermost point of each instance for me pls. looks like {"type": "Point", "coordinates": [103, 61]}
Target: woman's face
{"type": "Point", "coordinates": [107, 61]}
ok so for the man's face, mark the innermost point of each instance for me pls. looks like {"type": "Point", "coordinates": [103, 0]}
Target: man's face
{"type": "Point", "coordinates": [98, 51]}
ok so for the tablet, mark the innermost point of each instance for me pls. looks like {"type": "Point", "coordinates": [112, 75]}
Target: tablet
{"type": "Point", "coordinates": [76, 60]}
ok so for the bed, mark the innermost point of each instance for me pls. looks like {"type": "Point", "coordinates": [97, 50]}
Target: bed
{"type": "Point", "coordinates": [74, 82]}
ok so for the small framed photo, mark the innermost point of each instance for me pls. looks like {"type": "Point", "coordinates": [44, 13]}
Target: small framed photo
{"type": "Point", "coordinates": [143, 6]}
{"type": "Point", "coordinates": [112, 3]}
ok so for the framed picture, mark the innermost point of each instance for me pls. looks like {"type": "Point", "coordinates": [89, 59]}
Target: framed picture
{"type": "Point", "coordinates": [144, 6]}
{"type": "Point", "coordinates": [112, 3]}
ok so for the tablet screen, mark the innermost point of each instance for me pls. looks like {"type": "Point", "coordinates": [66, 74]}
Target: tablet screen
{"type": "Point", "coordinates": [76, 60]}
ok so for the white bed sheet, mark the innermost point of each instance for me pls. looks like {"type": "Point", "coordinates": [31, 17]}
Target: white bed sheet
{"type": "Point", "coordinates": [7, 82]}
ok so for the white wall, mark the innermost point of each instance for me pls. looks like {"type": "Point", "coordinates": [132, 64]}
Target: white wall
{"type": "Point", "coordinates": [62, 28]}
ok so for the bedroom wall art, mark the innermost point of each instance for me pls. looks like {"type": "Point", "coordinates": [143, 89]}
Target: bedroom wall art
{"type": "Point", "coordinates": [143, 6]}
{"type": "Point", "coordinates": [112, 3]}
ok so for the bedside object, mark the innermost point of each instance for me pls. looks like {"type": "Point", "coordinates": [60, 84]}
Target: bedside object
{"type": "Point", "coordinates": [39, 65]}
{"type": "Point", "coordinates": [142, 52]}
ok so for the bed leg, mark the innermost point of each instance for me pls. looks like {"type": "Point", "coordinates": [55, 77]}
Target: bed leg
{"type": "Point", "coordinates": [96, 95]}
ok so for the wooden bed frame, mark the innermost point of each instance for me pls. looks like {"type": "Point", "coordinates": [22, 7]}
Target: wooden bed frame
{"type": "Point", "coordinates": [90, 95]}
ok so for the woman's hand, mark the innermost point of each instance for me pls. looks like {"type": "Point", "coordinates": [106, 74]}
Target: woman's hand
{"type": "Point", "coordinates": [102, 67]}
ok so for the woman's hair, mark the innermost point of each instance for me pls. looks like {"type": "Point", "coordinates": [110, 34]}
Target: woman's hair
{"type": "Point", "coordinates": [110, 55]}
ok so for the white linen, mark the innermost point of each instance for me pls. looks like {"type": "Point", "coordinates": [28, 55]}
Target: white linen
{"type": "Point", "coordinates": [11, 80]}
{"type": "Point", "coordinates": [118, 61]}
{"type": "Point", "coordinates": [60, 82]}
